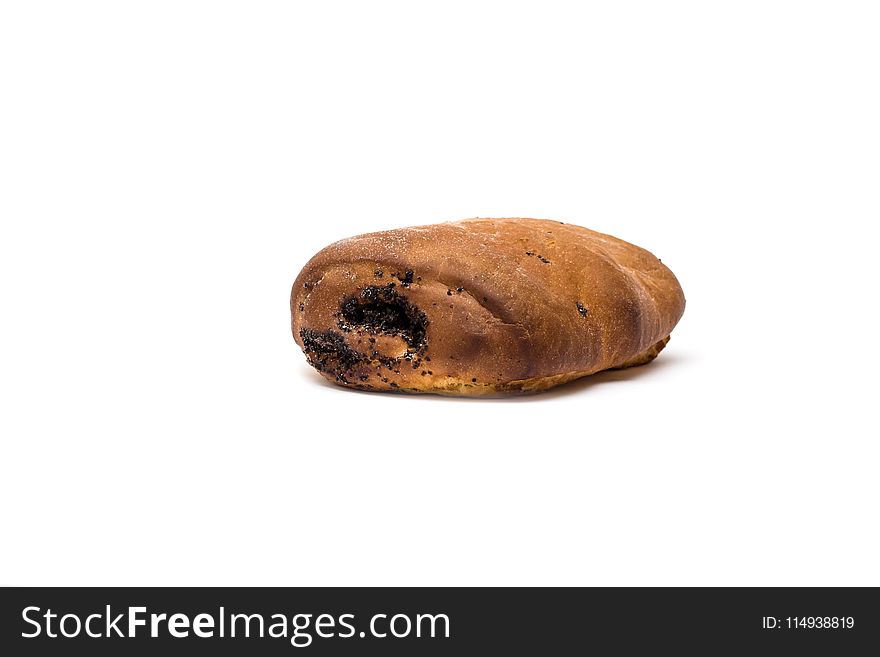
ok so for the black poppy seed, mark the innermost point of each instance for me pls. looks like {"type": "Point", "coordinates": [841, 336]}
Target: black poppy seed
{"type": "Point", "coordinates": [378, 273]}
{"type": "Point", "coordinates": [473, 380]}
{"type": "Point", "coordinates": [328, 346]}
{"type": "Point", "coordinates": [448, 293]}
{"type": "Point", "coordinates": [302, 307]}
{"type": "Point", "coordinates": [459, 290]}
{"type": "Point", "coordinates": [581, 309]}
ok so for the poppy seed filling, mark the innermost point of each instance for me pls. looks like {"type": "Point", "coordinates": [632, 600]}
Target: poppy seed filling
{"type": "Point", "coordinates": [382, 310]}
{"type": "Point", "coordinates": [376, 310]}
{"type": "Point", "coordinates": [328, 351]}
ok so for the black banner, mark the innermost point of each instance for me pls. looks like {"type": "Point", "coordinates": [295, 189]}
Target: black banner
{"type": "Point", "coordinates": [444, 621]}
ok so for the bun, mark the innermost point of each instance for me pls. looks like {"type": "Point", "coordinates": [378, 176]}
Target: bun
{"type": "Point", "coordinates": [481, 307]}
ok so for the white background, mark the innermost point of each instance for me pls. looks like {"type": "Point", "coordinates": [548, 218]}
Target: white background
{"type": "Point", "coordinates": [168, 167]}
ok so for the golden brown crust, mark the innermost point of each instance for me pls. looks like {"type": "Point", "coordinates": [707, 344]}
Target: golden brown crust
{"type": "Point", "coordinates": [481, 306]}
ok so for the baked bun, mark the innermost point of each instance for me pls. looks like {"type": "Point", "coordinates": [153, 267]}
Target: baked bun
{"type": "Point", "coordinates": [481, 307]}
